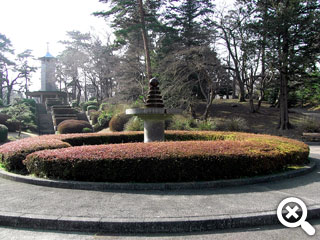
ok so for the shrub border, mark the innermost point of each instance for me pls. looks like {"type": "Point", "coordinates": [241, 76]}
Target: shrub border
{"type": "Point", "coordinates": [18, 148]}
{"type": "Point", "coordinates": [109, 186]}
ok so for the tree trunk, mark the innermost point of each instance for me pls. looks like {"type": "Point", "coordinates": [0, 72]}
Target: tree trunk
{"type": "Point", "coordinates": [283, 100]}
{"type": "Point", "coordinates": [242, 92]}
{"type": "Point", "coordinates": [260, 100]}
{"type": "Point", "coordinates": [20, 129]}
{"type": "Point", "coordinates": [9, 90]}
{"type": "Point", "coordinates": [234, 96]}
{"type": "Point", "coordinates": [208, 105]}
{"type": "Point", "coordinates": [252, 109]}
{"type": "Point", "coordinates": [145, 40]}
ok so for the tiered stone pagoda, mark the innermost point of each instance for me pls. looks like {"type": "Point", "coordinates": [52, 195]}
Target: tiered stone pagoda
{"type": "Point", "coordinates": [154, 114]}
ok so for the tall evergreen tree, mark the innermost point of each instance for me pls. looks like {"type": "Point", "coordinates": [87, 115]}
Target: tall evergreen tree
{"type": "Point", "coordinates": [291, 28]}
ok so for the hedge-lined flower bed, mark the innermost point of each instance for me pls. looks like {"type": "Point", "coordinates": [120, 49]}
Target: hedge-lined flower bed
{"type": "Point", "coordinates": [189, 156]}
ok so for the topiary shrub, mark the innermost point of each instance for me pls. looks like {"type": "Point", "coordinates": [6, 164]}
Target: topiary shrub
{"type": "Point", "coordinates": [3, 118]}
{"type": "Point", "coordinates": [73, 126]}
{"type": "Point", "coordinates": [134, 124]}
{"type": "Point", "coordinates": [89, 103]}
{"type": "Point", "coordinates": [87, 130]}
{"type": "Point", "coordinates": [118, 122]}
{"type": "Point", "coordinates": [104, 106]}
{"type": "Point", "coordinates": [104, 119]}
{"type": "Point", "coordinates": [12, 126]}
{"type": "Point", "coordinates": [94, 117]}
{"type": "Point", "coordinates": [3, 133]}
{"type": "Point", "coordinates": [97, 127]}
{"type": "Point", "coordinates": [92, 107]}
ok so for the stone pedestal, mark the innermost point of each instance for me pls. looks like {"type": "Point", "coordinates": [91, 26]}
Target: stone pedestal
{"type": "Point", "coordinates": [153, 130]}
{"type": "Point", "coordinates": [154, 114]}
{"type": "Point", "coordinates": [153, 121]}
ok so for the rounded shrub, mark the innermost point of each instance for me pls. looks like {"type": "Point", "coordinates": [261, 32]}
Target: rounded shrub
{"type": "Point", "coordinates": [92, 107]}
{"type": "Point", "coordinates": [3, 133]}
{"type": "Point", "coordinates": [118, 122]}
{"type": "Point", "coordinates": [11, 125]}
{"type": "Point", "coordinates": [94, 117]}
{"type": "Point", "coordinates": [104, 106]}
{"type": "Point", "coordinates": [87, 130]}
{"type": "Point", "coordinates": [73, 126]}
{"type": "Point", "coordinates": [89, 103]}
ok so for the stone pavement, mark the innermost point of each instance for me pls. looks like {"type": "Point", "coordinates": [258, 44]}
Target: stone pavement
{"type": "Point", "coordinates": [274, 232]}
{"type": "Point", "coordinates": [25, 205]}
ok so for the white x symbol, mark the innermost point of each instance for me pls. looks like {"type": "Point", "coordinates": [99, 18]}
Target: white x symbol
{"type": "Point", "coordinates": [292, 212]}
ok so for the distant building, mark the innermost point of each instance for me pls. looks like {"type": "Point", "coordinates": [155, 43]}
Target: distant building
{"type": "Point", "coordinates": [48, 70]}
{"type": "Point", "coordinates": [48, 81]}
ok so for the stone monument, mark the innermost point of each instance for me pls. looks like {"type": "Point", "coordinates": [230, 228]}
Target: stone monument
{"type": "Point", "coordinates": [154, 114]}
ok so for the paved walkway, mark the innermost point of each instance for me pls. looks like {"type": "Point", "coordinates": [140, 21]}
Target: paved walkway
{"type": "Point", "coordinates": [29, 201]}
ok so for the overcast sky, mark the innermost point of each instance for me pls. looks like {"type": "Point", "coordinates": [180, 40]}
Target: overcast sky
{"type": "Point", "coordinates": [33, 23]}
{"type": "Point", "coordinates": [30, 24]}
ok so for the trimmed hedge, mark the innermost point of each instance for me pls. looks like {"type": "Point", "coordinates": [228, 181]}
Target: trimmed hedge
{"type": "Point", "coordinates": [168, 162]}
{"type": "Point", "coordinates": [203, 156]}
{"type": "Point", "coordinates": [13, 153]}
{"type": "Point", "coordinates": [73, 126]}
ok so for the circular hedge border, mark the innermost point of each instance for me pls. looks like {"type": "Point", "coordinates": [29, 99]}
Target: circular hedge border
{"type": "Point", "coordinates": [185, 157]}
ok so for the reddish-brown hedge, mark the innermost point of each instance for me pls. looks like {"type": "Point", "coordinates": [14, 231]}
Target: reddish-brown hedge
{"type": "Point", "coordinates": [12, 154]}
{"type": "Point", "coordinates": [73, 126]}
{"type": "Point", "coordinates": [170, 161]}
{"type": "Point", "coordinates": [269, 152]}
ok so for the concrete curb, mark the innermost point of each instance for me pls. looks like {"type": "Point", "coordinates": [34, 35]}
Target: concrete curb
{"type": "Point", "coordinates": [156, 186]}
{"type": "Point", "coordinates": [142, 226]}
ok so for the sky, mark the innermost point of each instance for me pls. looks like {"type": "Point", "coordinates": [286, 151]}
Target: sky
{"type": "Point", "coordinates": [30, 24]}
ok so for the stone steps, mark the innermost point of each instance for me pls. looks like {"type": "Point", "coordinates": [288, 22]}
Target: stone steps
{"type": "Point", "coordinates": [45, 124]}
